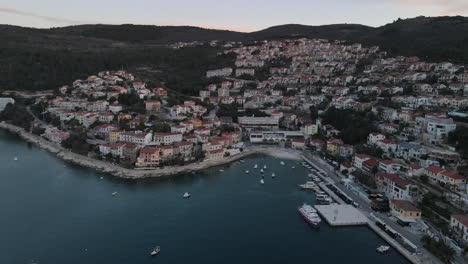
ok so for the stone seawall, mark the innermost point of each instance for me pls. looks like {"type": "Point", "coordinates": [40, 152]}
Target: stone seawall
{"type": "Point", "coordinates": [118, 171]}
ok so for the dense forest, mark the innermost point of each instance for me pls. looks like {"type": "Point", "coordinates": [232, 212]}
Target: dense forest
{"type": "Point", "coordinates": [37, 59]}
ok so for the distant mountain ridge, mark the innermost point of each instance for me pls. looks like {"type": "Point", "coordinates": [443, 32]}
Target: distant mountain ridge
{"type": "Point", "coordinates": [74, 48]}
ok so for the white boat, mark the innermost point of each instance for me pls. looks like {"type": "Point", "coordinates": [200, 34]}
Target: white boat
{"type": "Point", "coordinates": [383, 249]}
{"type": "Point", "coordinates": [261, 170]}
{"type": "Point", "coordinates": [282, 163]}
{"type": "Point", "coordinates": [309, 186]}
{"type": "Point", "coordinates": [155, 251]}
{"type": "Point", "coordinates": [262, 181]}
{"type": "Point", "coordinates": [242, 160]}
{"type": "Point", "coordinates": [186, 195]}
{"type": "Point", "coordinates": [293, 167]}
{"type": "Point", "coordinates": [221, 170]}
{"type": "Point", "coordinates": [114, 193]}
{"type": "Point", "coordinates": [15, 158]}
{"type": "Point", "coordinates": [101, 178]}
{"type": "Point", "coordinates": [264, 167]}
{"type": "Point", "coordinates": [309, 214]}
{"type": "Point", "coordinates": [273, 175]}
{"type": "Point", "coordinates": [255, 166]}
{"type": "Point", "coordinates": [247, 172]}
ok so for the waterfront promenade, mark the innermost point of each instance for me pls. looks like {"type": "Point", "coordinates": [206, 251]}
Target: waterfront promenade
{"type": "Point", "coordinates": [121, 172]}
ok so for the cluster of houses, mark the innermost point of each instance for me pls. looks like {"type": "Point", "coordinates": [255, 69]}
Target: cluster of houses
{"type": "Point", "coordinates": [285, 79]}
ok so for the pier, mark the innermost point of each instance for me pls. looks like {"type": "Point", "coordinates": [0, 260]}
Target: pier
{"type": "Point", "coordinates": [341, 215]}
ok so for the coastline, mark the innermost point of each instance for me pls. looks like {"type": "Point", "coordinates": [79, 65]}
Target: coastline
{"type": "Point", "coordinates": [115, 170]}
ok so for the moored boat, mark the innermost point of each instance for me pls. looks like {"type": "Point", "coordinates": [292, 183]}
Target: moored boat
{"type": "Point", "coordinates": [247, 172]}
{"type": "Point", "coordinates": [155, 251]}
{"type": "Point", "coordinates": [309, 186]}
{"type": "Point", "coordinates": [383, 249]}
{"type": "Point", "coordinates": [282, 163]}
{"type": "Point", "coordinates": [309, 214]}
{"type": "Point", "coordinates": [186, 195]}
{"type": "Point", "coordinates": [255, 166]}
{"type": "Point", "coordinates": [262, 181]}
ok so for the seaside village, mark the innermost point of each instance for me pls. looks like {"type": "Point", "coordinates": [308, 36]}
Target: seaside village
{"type": "Point", "coordinates": [282, 93]}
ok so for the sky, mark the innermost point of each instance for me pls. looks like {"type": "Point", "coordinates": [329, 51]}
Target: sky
{"type": "Point", "coordinates": [239, 15]}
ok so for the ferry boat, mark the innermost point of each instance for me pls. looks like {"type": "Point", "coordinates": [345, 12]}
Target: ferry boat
{"type": "Point", "coordinates": [255, 166]}
{"type": "Point", "coordinates": [186, 195]}
{"type": "Point", "coordinates": [309, 214]}
{"type": "Point", "coordinates": [155, 251]}
{"type": "Point", "coordinates": [309, 186]}
{"type": "Point", "coordinates": [383, 249]}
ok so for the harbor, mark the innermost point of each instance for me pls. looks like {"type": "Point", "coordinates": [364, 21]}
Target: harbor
{"type": "Point", "coordinates": [72, 208]}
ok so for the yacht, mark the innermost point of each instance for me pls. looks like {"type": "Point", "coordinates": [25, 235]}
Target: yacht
{"type": "Point", "coordinates": [255, 166]}
{"type": "Point", "coordinates": [309, 214]}
{"type": "Point", "coordinates": [155, 251]}
{"type": "Point", "coordinates": [186, 195]}
{"type": "Point", "coordinates": [309, 186]}
{"type": "Point", "coordinates": [383, 249]}
{"type": "Point", "coordinates": [262, 181]}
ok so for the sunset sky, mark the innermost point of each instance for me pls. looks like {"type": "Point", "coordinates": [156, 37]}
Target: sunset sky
{"type": "Point", "coordinates": [240, 15]}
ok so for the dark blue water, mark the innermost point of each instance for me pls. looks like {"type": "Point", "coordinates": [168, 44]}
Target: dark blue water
{"type": "Point", "coordinates": [55, 212]}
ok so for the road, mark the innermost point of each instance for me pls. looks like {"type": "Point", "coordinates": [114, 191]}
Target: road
{"type": "Point", "coordinates": [426, 257]}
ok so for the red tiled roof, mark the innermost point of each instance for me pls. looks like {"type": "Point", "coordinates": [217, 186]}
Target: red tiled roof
{"type": "Point", "coordinates": [404, 205]}
{"type": "Point", "coordinates": [463, 219]}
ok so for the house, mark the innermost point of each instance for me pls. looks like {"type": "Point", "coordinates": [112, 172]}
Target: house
{"type": "Point", "coordinates": [130, 152]}
{"type": "Point", "coordinates": [317, 143]}
{"type": "Point", "coordinates": [358, 159]}
{"type": "Point", "coordinates": [136, 137]}
{"type": "Point", "coordinates": [217, 154]}
{"type": "Point", "coordinates": [298, 143]}
{"type": "Point", "coordinates": [459, 226]}
{"type": "Point", "coordinates": [390, 166]}
{"type": "Point", "coordinates": [410, 150]}
{"type": "Point", "coordinates": [309, 129]}
{"type": "Point", "coordinates": [163, 138]}
{"type": "Point", "coordinates": [396, 187]}
{"type": "Point", "coordinates": [386, 145]}
{"type": "Point", "coordinates": [415, 170]}
{"type": "Point", "coordinates": [184, 148]}
{"type": "Point", "coordinates": [404, 210]}
{"type": "Point", "coordinates": [149, 156]}
{"type": "Point", "coordinates": [346, 168]}
{"type": "Point", "coordinates": [333, 145]}
{"type": "Point", "coordinates": [373, 138]}
{"type": "Point", "coordinates": [370, 165]}
{"type": "Point", "coordinates": [152, 106]}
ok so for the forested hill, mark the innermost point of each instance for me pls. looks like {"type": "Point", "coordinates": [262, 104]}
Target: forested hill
{"type": "Point", "coordinates": [32, 59]}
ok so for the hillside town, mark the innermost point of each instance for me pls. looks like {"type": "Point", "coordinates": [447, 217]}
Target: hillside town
{"type": "Point", "coordinates": [391, 127]}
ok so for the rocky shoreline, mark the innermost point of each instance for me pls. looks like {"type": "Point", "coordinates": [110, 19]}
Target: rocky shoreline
{"type": "Point", "coordinates": [118, 171]}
